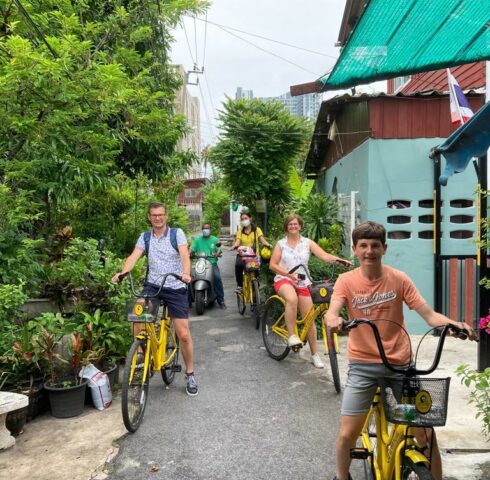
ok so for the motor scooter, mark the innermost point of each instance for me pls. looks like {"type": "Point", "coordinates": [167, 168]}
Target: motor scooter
{"type": "Point", "coordinates": [202, 282]}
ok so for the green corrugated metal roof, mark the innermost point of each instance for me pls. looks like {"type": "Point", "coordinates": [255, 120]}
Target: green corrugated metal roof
{"type": "Point", "coordinates": [401, 37]}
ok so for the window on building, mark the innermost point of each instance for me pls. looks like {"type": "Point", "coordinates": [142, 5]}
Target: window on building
{"type": "Point", "coordinates": [461, 203]}
{"type": "Point", "coordinates": [461, 218]}
{"type": "Point", "coordinates": [426, 235]}
{"type": "Point", "coordinates": [191, 192]}
{"type": "Point", "coordinates": [400, 82]}
{"type": "Point", "coordinates": [399, 235]}
{"type": "Point", "coordinates": [461, 234]}
{"type": "Point", "coordinates": [398, 204]}
{"type": "Point", "coordinates": [426, 219]}
{"type": "Point", "coordinates": [397, 219]}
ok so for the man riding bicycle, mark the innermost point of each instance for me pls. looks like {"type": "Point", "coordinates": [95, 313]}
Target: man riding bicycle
{"type": "Point", "coordinates": [167, 252]}
{"type": "Point", "coordinates": [375, 291]}
{"type": "Point", "coordinates": [208, 244]}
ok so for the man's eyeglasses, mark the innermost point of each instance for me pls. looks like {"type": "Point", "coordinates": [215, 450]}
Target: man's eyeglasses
{"type": "Point", "coordinates": [158, 216]}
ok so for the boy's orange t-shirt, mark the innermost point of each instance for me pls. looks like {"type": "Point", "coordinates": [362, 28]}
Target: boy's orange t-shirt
{"type": "Point", "coordinates": [378, 300]}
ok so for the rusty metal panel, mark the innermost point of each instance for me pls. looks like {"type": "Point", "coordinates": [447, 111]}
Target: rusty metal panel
{"type": "Point", "coordinates": [413, 117]}
{"type": "Point", "coordinates": [471, 75]}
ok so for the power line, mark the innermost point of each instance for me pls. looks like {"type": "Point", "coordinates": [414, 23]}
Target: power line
{"type": "Point", "coordinates": [188, 43]}
{"type": "Point", "coordinates": [269, 52]}
{"type": "Point", "coordinates": [205, 39]}
{"type": "Point", "coordinates": [266, 38]}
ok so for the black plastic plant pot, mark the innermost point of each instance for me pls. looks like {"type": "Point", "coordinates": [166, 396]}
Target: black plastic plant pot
{"type": "Point", "coordinates": [16, 420]}
{"type": "Point", "coordinates": [66, 401]}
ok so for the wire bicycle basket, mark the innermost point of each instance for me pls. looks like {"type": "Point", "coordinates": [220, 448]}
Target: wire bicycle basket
{"type": "Point", "coordinates": [142, 311]}
{"type": "Point", "coordinates": [417, 402]}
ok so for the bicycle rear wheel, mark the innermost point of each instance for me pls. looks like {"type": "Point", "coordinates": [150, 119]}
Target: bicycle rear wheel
{"type": "Point", "coordinates": [256, 303]}
{"type": "Point", "coordinates": [168, 370]}
{"type": "Point", "coordinates": [332, 356]}
{"type": "Point", "coordinates": [135, 385]}
{"type": "Point", "coordinates": [415, 471]}
{"type": "Point", "coordinates": [274, 332]}
{"type": "Point", "coordinates": [240, 301]}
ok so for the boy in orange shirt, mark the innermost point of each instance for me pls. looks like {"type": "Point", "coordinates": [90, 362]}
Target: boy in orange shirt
{"type": "Point", "coordinates": [375, 291]}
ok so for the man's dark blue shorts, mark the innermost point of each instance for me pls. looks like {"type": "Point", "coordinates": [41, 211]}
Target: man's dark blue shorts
{"type": "Point", "coordinates": [176, 299]}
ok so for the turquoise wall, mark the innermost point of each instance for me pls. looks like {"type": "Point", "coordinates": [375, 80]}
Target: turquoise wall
{"type": "Point", "coordinates": [400, 171]}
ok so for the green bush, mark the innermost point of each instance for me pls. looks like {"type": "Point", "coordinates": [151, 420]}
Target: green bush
{"type": "Point", "coordinates": [479, 385]}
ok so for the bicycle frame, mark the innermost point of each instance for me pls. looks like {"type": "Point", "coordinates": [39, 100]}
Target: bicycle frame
{"type": "Point", "coordinates": [248, 278]}
{"type": "Point", "coordinates": [157, 345]}
{"type": "Point", "coordinates": [303, 325]}
{"type": "Point", "coordinates": [393, 443]}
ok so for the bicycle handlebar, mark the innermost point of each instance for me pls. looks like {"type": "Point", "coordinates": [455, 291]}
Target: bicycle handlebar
{"type": "Point", "coordinates": [411, 370]}
{"type": "Point", "coordinates": [141, 295]}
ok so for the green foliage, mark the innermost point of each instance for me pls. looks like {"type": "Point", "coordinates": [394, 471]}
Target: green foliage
{"type": "Point", "coordinates": [260, 141]}
{"type": "Point", "coordinates": [479, 385]}
{"type": "Point", "coordinates": [81, 278]}
{"type": "Point", "coordinates": [300, 189]}
{"type": "Point", "coordinates": [108, 333]}
{"type": "Point", "coordinates": [333, 243]}
{"type": "Point", "coordinates": [319, 213]}
{"type": "Point", "coordinates": [216, 203]}
{"type": "Point", "coordinates": [11, 298]}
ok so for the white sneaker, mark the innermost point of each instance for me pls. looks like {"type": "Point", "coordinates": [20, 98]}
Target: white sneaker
{"type": "Point", "coordinates": [294, 341]}
{"type": "Point", "coordinates": [317, 361]}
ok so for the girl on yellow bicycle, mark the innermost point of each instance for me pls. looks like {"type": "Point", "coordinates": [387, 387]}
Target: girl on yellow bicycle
{"type": "Point", "coordinates": [293, 250]}
{"type": "Point", "coordinates": [248, 236]}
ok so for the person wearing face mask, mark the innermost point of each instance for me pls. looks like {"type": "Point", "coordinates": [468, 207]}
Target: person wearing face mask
{"type": "Point", "coordinates": [208, 244]}
{"type": "Point", "coordinates": [248, 236]}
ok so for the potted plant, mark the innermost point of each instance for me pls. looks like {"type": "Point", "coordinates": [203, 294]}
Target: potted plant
{"type": "Point", "coordinates": [107, 338]}
{"type": "Point", "coordinates": [66, 393]}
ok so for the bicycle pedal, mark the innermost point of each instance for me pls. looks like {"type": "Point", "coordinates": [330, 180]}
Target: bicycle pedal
{"type": "Point", "coordinates": [360, 453]}
{"type": "Point", "coordinates": [177, 368]}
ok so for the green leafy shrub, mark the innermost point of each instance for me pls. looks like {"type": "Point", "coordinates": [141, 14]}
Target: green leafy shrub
{"type": "Point", "coordinates": [11, 298]}
{"type": "Point", "coordinates": [216, 203]}
{"type": "Point", "coordinates": [479, 385]}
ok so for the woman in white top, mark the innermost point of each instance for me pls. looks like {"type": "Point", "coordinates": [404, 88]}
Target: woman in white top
{"type": "Point", "coordinates": [289, 252]}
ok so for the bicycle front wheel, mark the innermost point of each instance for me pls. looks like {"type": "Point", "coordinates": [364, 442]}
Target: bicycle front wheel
{"type": "Point", "coordinates": [135, 385]}
{"type": "Point", "coordinates": [256, 302]}
{"type": "Point", "coordinates": [274, 332]}
{"type": "Point", "coordinates": [415, 471]}
{"type": "Point", "coordinates": [332, 356]}
{"type": "Point", "coordinates": [168, 370]}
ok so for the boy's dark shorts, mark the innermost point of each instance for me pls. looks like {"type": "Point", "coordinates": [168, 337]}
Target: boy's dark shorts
{"type": "Point", "coordinates": [176, 299]}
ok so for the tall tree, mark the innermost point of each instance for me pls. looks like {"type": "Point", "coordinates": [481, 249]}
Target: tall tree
{"type": "Point", "coordinates": [87, 91]}
{"type": "Point", "coordinates": [259, 143]}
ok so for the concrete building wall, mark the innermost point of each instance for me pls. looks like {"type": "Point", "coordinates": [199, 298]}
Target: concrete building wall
{"type": "Point", "coordinates": [394, 182]}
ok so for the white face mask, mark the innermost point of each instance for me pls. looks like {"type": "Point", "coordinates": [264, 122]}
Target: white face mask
{"type": "Point", "coordinates": [206, 232]}
{"type": "Point", "coordinates": [245, 223]}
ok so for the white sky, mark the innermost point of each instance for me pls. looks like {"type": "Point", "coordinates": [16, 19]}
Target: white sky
{"type": "Point", "coordinates": [230, 62]}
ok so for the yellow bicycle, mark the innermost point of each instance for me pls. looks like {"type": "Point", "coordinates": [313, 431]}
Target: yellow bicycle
{"type": "Point", "coordinates": [275, 334]}
{"type": "Point", "coordinates": [389, 448]}
{"type": "Point", "coordinates": [155, 348]}
{"type": "Point", "coordinates": [250, 294]}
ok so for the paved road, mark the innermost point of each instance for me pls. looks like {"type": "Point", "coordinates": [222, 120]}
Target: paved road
{"type": "Point", "coordinates": [254, 418]}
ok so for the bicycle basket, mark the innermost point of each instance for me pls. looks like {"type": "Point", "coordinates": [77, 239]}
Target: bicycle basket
{"type": "Point", "coordinates": [418, 402]}
{"type": "Point", "coordinates": [321, 292]}
{"type": "Point", "coordinates": [251, 264]}
{"type": "Point", "coordinates": [139, 312]}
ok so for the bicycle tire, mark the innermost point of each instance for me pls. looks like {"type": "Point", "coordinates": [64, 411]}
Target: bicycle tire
{"type": "Point", "coordinates": [134, 392]}
{"type": "Point", "coordinates": [369, 442]}
{"type": "Point", "coordinates": [168, 371]}
{"type": "Point", "coordinates": [276, 345]}
{"type": "Point", "coordinates": [334, 364]}
{"type": "Point", "coordinates": [240, 301]}
{"type": "Point", "coordinates": [256, 303]}
{"type": "Point", "coordinates": [415, 471]}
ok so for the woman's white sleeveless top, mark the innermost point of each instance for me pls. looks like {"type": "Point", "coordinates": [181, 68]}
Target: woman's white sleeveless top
{"type": "Point", "coordinates": [290, 257]}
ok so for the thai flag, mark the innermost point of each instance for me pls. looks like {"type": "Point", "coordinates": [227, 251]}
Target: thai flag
{"type": "Point", "coordinates": [460, 108]}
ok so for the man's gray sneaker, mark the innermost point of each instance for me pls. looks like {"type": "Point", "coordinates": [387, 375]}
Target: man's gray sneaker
{"type": "Point", "coordinates": [191, 385]}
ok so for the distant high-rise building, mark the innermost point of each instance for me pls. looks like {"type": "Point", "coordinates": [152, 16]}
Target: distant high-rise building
{"type": "Point", "coordinates": [303, 106]}
{"type": "Point", "coordinates": [241, 93]}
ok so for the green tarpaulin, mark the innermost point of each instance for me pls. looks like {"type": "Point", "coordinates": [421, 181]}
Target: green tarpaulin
{"type": "Point", "coordinates": [402, 37]}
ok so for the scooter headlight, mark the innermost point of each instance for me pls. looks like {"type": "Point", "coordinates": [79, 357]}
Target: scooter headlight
{"type": "Point", "coordinates": [200, 266]}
